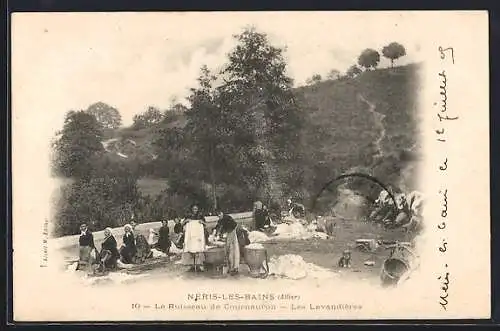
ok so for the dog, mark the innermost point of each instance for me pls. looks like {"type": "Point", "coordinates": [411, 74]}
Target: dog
{"type": "Point", "coordinates": [345, 260]}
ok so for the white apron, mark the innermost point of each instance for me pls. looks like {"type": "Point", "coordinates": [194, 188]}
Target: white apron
{"type": "Point", "coordinates": [194, 243]}
{"type": "Point", "coordinates": [194, 237]}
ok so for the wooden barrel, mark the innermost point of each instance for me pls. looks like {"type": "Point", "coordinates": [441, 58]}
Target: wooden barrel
{"type": "Point", "coordinates": [255, 257]}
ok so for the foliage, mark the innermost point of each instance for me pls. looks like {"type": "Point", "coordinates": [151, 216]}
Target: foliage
{"type": "Point", "coordinates": [394, 51]}
{"type": "Point", "coordinates": [265, 115]}
{"type": "Point", "coordinates": [78, 144]}
{"type": "Point", "coordinates": [316, 78]}
{"type": "Point", "coordinates": [246, 135]}
{"type": "Point", "coordinates": [240, 132]}
{"type": "Point", "coordinates": [106, 198]}
{"type": "Point", "coordinates": [149, 118]}
{"type": "Point", "coordinates": [174, 113]}
{"type": "Point", "coordinates": [353, 71]}
{"type": "Point", "coordinates": [106, 115]}
{"type": "Point", "coordinates": [333, 74]}
{"type": "Point", "coordinates": [369, 58]}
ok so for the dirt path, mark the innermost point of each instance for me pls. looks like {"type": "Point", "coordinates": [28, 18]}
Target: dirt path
{"type": "Point", "coordinates": [379, 124]}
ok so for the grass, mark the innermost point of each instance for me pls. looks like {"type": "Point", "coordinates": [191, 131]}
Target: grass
{"type": "Point", "coordinates": [339, 118]}
{"type": "Point", "coordinates": [147, 186]}
{"type": "Point", "coordinates": [152, 186]}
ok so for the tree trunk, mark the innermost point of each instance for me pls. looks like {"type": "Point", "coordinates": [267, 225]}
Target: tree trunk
{"type": "Point", "coordinates": [212, 179]}
{"type": "Point", "coordinates": [392, 63]}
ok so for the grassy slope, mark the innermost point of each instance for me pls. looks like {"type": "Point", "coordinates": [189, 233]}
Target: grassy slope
{"type": "Point", "coordinates": [339, 125]}
{"type": "Point", "coordinates": [341, 119]}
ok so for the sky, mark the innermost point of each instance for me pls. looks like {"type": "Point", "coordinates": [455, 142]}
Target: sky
{"type": "Point", "coordinates": [67, 61]}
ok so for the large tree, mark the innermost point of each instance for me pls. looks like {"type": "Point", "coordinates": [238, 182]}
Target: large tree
{"type": "Point", "coordinates": [109, 117]}
{"type": "Point", "coordinates": [394, 51]}
{"type": "Point", "coordinates": [369, 58]}
{"type": "Point", "coordinates": [262, 111]}
{"type": "Point", "coordinates": [78, 144]}
{"type": "Point", "coordinates": [205, 128]}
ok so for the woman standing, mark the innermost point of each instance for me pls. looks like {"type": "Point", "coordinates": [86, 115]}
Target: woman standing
{"type": "Point", "coordinates": [236, 240]}
{"type": "Point", "coordinates": [195, 239]}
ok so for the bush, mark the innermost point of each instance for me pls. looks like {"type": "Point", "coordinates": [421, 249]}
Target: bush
{"type": "Point", "coordinates": [103, 199]}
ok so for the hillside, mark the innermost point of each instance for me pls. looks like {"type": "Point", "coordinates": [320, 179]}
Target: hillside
{"type": "Point", "coordinates": [341, 115]}
{"type": "Point", "coordinates": [348, 120]}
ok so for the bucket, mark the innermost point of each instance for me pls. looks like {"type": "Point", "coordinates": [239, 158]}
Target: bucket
{"type": "Point", "coordinates": [255, 258]}
{"type": "Point", "coordinates": [215, 259]}
{"type": "Point", "coordinates": [215, 256]}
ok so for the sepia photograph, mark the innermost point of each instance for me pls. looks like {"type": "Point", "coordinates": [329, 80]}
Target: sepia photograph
{"type": "Point", "coordinates": [249, 166]}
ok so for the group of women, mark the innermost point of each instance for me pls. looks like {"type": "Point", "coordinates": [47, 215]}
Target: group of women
{"type": "Point", "coordinates": [190, 234]}
{"type": "Point", "coordinates": [135, 249]}
{"type": "Point", "coordinates": [194, 239]}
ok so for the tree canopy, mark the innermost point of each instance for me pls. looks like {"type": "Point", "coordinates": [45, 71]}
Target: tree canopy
{"type": "Point", "coordinates": [152, 116]}
{"type": "Point", "coordinates": [369, 58]}
{"type": "Point", "coordinates": [353, 71]}
{"type": "Point", "coordinates": [78, 143]}
{"type": "Point", "coordinates": [394, 51]}
{"type": "Point", "coordinates": [109, 117]}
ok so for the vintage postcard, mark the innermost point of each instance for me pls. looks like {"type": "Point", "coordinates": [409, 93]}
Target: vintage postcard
{"type": "Point", "coordinates": [250, 166]}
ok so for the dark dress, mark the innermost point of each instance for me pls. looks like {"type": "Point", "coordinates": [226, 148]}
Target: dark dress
{"type": "Point", "coordinates": [109, 252]}
{"type": "Point", "coordinates": [86, 240]}
{"type": "Point", "coordinates": [128, 250]}
{"type": "Point", "coordinates": [163, 243]}
{"type": "Point", "coordinates": [227, 224]}
{"type": "Point", "coordinates": [261, 218]}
